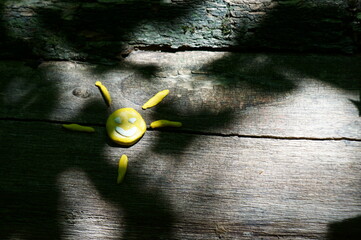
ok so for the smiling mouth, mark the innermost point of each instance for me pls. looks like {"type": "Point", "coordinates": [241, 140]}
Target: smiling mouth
{"type": "Point", "coordinates": [126, 133]}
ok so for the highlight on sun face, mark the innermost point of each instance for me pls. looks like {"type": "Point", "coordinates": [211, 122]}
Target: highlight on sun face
{"type": "Point", "coordinates": [125, 126]}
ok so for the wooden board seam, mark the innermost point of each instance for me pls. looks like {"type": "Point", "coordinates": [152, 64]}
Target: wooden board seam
{"type": "Point", "coordinates": [192, 132]}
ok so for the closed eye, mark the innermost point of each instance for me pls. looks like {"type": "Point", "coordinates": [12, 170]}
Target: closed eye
{"type": "Point", "coordinates": [118, 120]}
{"type": "Point", "coordinates": [132, 120]}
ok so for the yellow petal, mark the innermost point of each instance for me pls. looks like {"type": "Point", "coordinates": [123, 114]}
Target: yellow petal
{"type": "Point", "coordinates": [156, 99]}
{"type": "Point", "coordinates": [104, 92]}
{"type": "Point", "coordinates": [79, 128]}
{"type": "Point", "coordinates": [122, 168]}
{"type": "Point", "coordinates": [165, 123]}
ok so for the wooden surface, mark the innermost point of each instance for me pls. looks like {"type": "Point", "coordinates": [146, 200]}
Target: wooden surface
{"type": "Point", "coordinates": [270, 149]}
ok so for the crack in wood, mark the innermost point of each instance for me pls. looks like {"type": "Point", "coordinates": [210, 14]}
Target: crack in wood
{"type": "Point", "coordinates": [258, 136]}
{"type": "Point", "coordinates": [193, 132]}
{"type": "Point", "coordinates": [49, 121]}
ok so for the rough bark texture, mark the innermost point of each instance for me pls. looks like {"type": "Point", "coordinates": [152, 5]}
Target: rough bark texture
{"type": "Point", "coordinates": [103, 29]}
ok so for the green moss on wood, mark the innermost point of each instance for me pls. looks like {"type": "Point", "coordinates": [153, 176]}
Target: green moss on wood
{"type": "Point", "coordinates": [226, 26]}
{"type": "Point", "coordinates": [188, 29]}
{"type": "Point", "coordinates": [358, 16]}
{"type": "Point", "coordinates": [331, 20]}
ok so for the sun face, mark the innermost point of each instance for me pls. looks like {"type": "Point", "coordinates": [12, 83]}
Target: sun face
{"type": "Point", "coordinates": [125, 126]}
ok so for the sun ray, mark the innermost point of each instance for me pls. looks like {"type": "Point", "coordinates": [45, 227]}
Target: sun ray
{"type": "Point", "coordinates": [122, 168]}
{"type": "Point", "coordinates": [157, 98]}
{"type": "Point", "coordinates": [104, 92]}
{"type": "Point", "coordinates": [165, 123]}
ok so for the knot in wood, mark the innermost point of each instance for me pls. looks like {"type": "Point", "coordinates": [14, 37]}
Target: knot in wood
{"type": "Point", "coordinates": [81, 92]}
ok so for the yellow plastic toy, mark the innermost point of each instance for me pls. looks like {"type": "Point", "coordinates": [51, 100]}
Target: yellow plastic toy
{"type": "Point", "coordinates": [126, 126]}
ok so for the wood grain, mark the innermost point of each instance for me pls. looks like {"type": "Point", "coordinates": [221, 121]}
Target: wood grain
{"type": "Point", "coordinates": [270, 149]}
{"type": "Point", "coordinates": [231, 94]}
{"type": "Point", "coordinates": [179, 186]}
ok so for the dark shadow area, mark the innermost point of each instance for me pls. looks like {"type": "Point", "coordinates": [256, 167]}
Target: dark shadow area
{"type": "Point", "coordinates": [271, 72]}
{"type": "Point", "coordinates": [98, 30]}
{"type": "Point", "coordinates": [10, 46]}
{"type": "Point", "coordinates": [257, 72]}
{"type": "Point", "coordinates": [301, 26]}
{"type": "Point", "coordinates": [358, 105]}
{"type": "Point", "coordinates": [340, 71]}
{"type": "Point", "coordinates": [20, 93]}
{"type": "Point", "coordinates": [28, 214]}
{"type": "Point", "coordinates": [28, 200]}
{"type": "Point", "coordinates": [348, 229]}
{"type": "Point", "coordinates": [290, 32]}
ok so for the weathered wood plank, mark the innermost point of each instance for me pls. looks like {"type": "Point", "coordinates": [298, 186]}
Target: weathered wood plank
{"type": "Point", "coordinates": [58, 29]}
{"type": "Point", "coordinates": [219, 93]}
{"type": "Point", "coordinates": [62, 185]}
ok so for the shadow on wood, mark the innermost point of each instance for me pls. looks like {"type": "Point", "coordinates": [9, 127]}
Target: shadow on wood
{"type": "Point", "coordinates": [33, 162]}
{"type": "Point", "coordinates": [348, 229]}
{"type": "Point", "coordinates": [11, 47]}
{"type": "Point", "coordinates": [34, 167]}
{"type": "Point", "coordinates": [32, 184]}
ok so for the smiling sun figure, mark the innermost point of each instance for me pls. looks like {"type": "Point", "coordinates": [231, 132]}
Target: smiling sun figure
{"type": "Point", "coordinates": [126, 126]}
